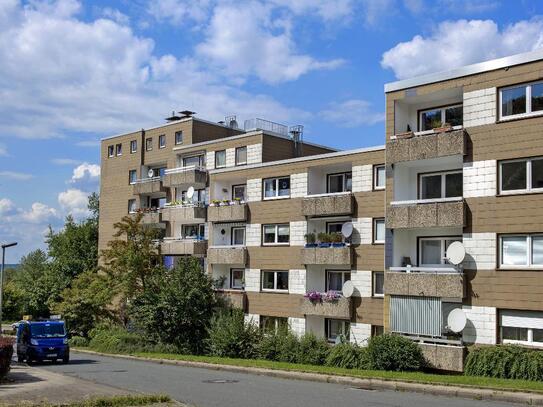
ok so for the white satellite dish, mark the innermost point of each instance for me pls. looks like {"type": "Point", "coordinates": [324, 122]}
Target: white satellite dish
{"type": "Point", "coordinates": [190, 192]}
{"type": "Point", "coordinates": [456, 320]}
{"type": "Point", "coordinates": [348, 289]}
{"type": "Point", "coordinates": [150, 173]}
{"type": "Point", "coordinates": [347, 230]}
{"type": "Point", "coordinates": [456, 253]}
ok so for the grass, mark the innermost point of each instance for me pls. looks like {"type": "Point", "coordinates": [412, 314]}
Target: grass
{"type": "Point", "coordinates": [412, 377]}
{"type": "Point", "coordinates": [114, 401]}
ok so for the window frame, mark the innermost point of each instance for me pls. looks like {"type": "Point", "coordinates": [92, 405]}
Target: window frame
{"type": "Point", "coordinates": [236, 155]}
{"type": "Point", "coordinates": [328, 224]}
{"type": "Point", "coordinates": [343, 183]}
{"type": "Point", "coordinates": [135, 204]}
{"type": "Point", "coordinates": [346, 328]}
{"type": "Point", "coordinates": [111, 151]}
{"type": "Point", "coordinates": [327, 273]}
{"type": "Point", "coordinates": [276, 322]}
{"type": "Point", "coordinates": [276, 181]}
{"type": "Point", "coordinates": [276, 243]}
{"type": "Point", "coordinates": [177, 133]}
{"type": "Point", "coordinates": [244, 192]}
{"type": "Point", "coordinates": [201, 160]}
{"type": "Point", "coordinates": [374, 285]}
{"type": "Point", "coordinates": [232, 230]}
{"type": "Point", "coordinates": [529, 252]}
{"type": "Point", "coordinates": [377, 330]}
{"type": "Point", "coordinates": [529, 112]}
{"type": "Point", "coordinates": [161, 138]}
{"type": "Point", "coordinates": [443, 239]}
{"type": "Point", "coordinates": [375, 172]}
{"type": "Point", "coordinates": [443, 114]}
{"type": "Point", "coordinates": [443, 183]}
{"type": "Point", "coordinates": [232, 286]}
{"type": "Point", "coordinates": [149, 144]}
{"type": "Point", "coordinates": [275, 289]}
{"type": "Point", "coordinates": [529, 174]}
{"type": "Point", "coordinates": [216, 154]}
{"type": "Point", "coordinates": [374, 231]}
{"type": "Point", "coordinates": [130, 172]}
{"type": "Point", "coordinates": [201, 228]}
{"type": "Point", "coordinates": [118, 149]}
{"type": "Point", "coordinates": [133, 146]}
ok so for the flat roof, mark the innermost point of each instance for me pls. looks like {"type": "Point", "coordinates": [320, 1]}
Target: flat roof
{"type": "Point", "coordinates": [466, 70]}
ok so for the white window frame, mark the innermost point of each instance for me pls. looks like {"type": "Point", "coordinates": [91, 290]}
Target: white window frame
{"type": "Point", "coordinates": [236, 155]}
{"type": "Point", "coordinates": [130, 172]}
{"type": "Point", "coordinates": [130, 201]}
{"type": "Point", "coordinates": [118, 149]}
{"type": "Point", "coordinates": [443, 182]}
{"type": "Point", "coordinates": [244, 186]}
{"type": "Point", "coordinates": [276, 321]}
{"type": "Point", "coordinates": [200, 227]}
{"type": "Point", "coordinates": [528, 188]}
{"type": "Point", "coordinates": [149, 144]}
{"type": "Point", "coordinates": [235, 287]}
{"type": "Point", "coordinates": [201, 160]}
{"type": "Point", "coordinates": [375, 173]}
{"type": "Point", "coordinates": [373, 285]}
{"type": "Point", "coordinates": [111, 151]}
{"type": "Point", "coordinates": [133, 146]}
{"type": "Point", "coordinates": [343, 176]}
{"type": "Point", "coordinates": [276, 196]}
{"type": "Point", "coordinates": [232, 231]}
{"type": "Point", "coordinates": [346, 330]}
{"type": "Point", "coordinates": [220, 166]}
{"type": "Point", "coordinates": [343, 276]}
{"type": "Point", "coordinates": [374, 239]}
{"type": "Point", "coordinates": [529, 252]}
{"type": "Point", "coordinates": [162, 138]}
{"type": "Point", "coordinates": [275, 243]}
{"type": "Point", "coordinates": [275, 289]}
{"type": "Point", "coordinates": [443, 240]}
{"type": "Point", "coordinates": [442, 109]}
{"type": "Point", "coordinates": [528, 112]}
{"type": "Point", "coordinates": [177, 142]}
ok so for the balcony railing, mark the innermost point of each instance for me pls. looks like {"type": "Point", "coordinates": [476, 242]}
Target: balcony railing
{"type": "Point", "coordinates": [340, 203]}
{"type": "Point", "coordinates": [339, 308]}
{"type": "Point", "coordinates": [148, 186]}
{"type": "Point", "coordinates": [233, 298]}
{"type": "Point", "coordinates": [173, 246]}
{"type": "Point", "coordinates": [194, 213]}
{"type": "Point", "coordinates": [227, 255]}
{"type": "Point", "coordinates": [149, 217]}
{"type": "Point", "coordinates": [234, 212]}
{"type": "Point", "coordinates": [445, 282]}
{"type": "Point", "coordinates": [184, 177]}
{"type": "Point", "coordinates": [445, 212]}
{"type": "Point", "coordinates": [327, 255]}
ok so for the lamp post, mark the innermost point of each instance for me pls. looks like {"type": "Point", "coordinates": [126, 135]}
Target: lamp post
{"type": "Point", "coordinates": [4, 247]}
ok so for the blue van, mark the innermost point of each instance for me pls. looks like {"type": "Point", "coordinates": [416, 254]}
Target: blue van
{"type": "Point", "coordinates": [42, 340]}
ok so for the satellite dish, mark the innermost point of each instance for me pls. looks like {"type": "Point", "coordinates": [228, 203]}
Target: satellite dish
{"type": "Point", "coordinates": [150, 173]}
{"type": "Point", "coordinates": [348, 289]}
{"type": "Point", "coordinates": [347, 230]}
{"type": "Point", "coordinates": [456, 320]}
{"type": "Point", "coordinates": [190, 192]}
{"type": "Point", "coordinates": [456, 253]}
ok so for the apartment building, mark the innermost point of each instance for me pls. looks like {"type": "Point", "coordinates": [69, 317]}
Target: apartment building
{"type": "Point", "coordinates": [465, 163]}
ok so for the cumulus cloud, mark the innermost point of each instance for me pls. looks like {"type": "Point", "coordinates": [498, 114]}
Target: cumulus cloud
{"type": "Point", "coordinates": [462, 42]}
{"type": "Point", "coordinates": [7, 207]}
{"type": "Point", "coordinates": [65, 161]}
{"type": "Point", "coordinates": [74, 202]}
{"type": "Point", "coordinates": [39, 213]}
{"type": "Point", "coordinates": [352, 113]}
{"type": "Point", "coordinates": [115, 15]}
{"type": "Point", "coordinates": [179, 11]}
{"type": "Point", "coordinates": [328, 10]}
{"type": "Point", "coordinates": [86, 174]}
{"type": "Point", "coordinates": [14, 175]}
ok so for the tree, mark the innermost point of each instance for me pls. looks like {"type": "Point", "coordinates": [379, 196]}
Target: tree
{"type": "Point", "coordinates": [177, 308]}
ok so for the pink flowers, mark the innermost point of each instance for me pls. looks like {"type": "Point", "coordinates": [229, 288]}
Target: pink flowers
{"type": "Point", "coordinates": [329, 296]}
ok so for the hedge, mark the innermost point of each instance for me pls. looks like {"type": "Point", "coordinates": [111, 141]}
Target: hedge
{"type": "Point", "coordinates": [6, 352]}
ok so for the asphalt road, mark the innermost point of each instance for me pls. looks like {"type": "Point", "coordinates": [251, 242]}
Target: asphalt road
{"type": "Point", "coordinates": [210, 388]}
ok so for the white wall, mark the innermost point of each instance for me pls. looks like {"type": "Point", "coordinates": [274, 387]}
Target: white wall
{"type": "Point", "coordinates": [316, 183]}
{"type": "Point", "coordinates": [363, 229]}
{"type": "Point", "coordinates": [230, 157]}
{"type": "Point", "coordinates": [298, 185]}
{"type": "Point", "coordinates": [297, 325]}
{"type": "Point", "coordinates": [480, 251]}
{"type": "Point", "coordinates": [480, 178]}
{"type": "Point", "coordinates": [480, 107]}
{"type": "Point", "coordinates": [254, 189]}
{"type": "Point", "coordinates": [252, 234]}
{"type": "Point", "coordinates": [315, 325]}
{"type": "Point", "coordinates": [252, 280]}
{"type": "Point", "coordinates": [254, 153]}
{"type": "Point", "coordinates": [298, 229]}
{"type": "Point", "coordinates": [210, 160]}
{"type": "Point", "coordinates": [362, 281]}
{"type": "Point", "coordinates": [362, 178]}
{"type": "Point", "coordinates": [481, 325]}
{"type": "Point", "coordinates": [360, 333]}
{"type": "Point", "coordinates": [296, 281]}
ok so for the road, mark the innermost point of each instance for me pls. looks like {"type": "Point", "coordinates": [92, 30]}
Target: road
{"type": "Point", "coordinates": [211, 388]}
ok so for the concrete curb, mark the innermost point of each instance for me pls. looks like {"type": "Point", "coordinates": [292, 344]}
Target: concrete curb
{"type": "Point", "coordinates": [361, 383]}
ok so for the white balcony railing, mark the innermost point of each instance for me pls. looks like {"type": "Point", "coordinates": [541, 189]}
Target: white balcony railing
{"type": "Point", "coordinates": [184, 169]}
{"type": "Point", "coordinates": [431, 270]}
{"type": "Point", "coordinates": [328, 194]}
{"type": "Point", "coordinates": [145, 180]}
{"type": "Point", "coordinates": [426, 201]}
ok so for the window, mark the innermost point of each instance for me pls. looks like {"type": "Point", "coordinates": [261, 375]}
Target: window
{"type": "Point", "coordinates": [194, 161]}
{"type": "Point", "coordinates": [238, 236]}
{"type": "Point", "coordinates": [524, 175]}
{"type": "Point", "coordinates": [336, 278]}
{"type": "Point", "coordinates": [162, 141]}
{"type": "Point", "coordinates": [433, 250]}
{"type": "Point", "coordinates": [337, 329]}
{"type": "Point", "coordinates": [119, 149]}
{"type": "Point", "coordinates": [378, 287]}
{"type": "Point", "coordinates": [132, 176]}
{"type": "Point", "coordinates": [277, 188]}
{"type": "Point", "coordinates": [521, 251]}
{"type": "Point", "coordinates": [149, 144]}
{"type": "Point", "coordinates": [334, 227]}
{"type": "Point", "coordinates": [237, 277]}
{"type": "Point", "coordinates": [433, 118]}
{"type": "Point", "coordinates": [276, 234]}
{"type": "Point", "coordinates": [156, 202]}
{"type": "Point", "coordinates": [198, 197]}
{"type": "Point", "coordinates": [521, 327]}
{"type": "Point", "coordinates": [195, 231]}
{"type": "Point", "coordinates": [241, 155]}
{"type": "Point", "coordinates": [133, 146]}
{"type": "Point", "coordinates": [379, 230]}
{"type": "Point", "coordinates": [110, 151]}
{"type": "Point", "coordinates": [275, 280]}
{"type": "Point", "coordinates": [178, 137]}
{"type": "Point", "coordinates": [377, 330]}
{"type": "Point", "coordinates": [447, 184]}
{"type": "Point", "coordinates": [379, 177]}
{"type": "Point", "coordinates": [238, 191]}
{"type": "Point", "coordinates": [270, 325]}
{"type": "Point", "coordinates": [158, 171]}
{"type": "Point", "coordinates": [521, 100]}
{"type": "Point", "coordinates": [131, 205]}
{"type": "Point", "coordinates": [340, 182]}
{"type": "Point", "coordinates": [220, 159]}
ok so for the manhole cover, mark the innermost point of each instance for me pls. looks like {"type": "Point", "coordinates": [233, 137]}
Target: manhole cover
{"type": "Point", "coordinates": [220, 381]}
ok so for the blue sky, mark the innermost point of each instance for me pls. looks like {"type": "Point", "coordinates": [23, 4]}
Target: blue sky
{"type": "Point", "coordinates": [72, 72]}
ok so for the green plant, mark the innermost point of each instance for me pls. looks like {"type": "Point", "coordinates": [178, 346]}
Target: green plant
{"type": "Point", "coordinates": [79, 341]}
{"type": "Point", "coordinates": [346, 355]}
{"type": "Point", "coordinates": [281, 345]}
{"type": "Point", "coordinates": [310, 238]}
{"type": "Point", "coordinates": [231, 336]}
{"type": "Point", "coordinates": [394, 352]}
{"type": "Point", "coordinates": [6, 352]}
{"type": "Point", "coordinates": [324, 237]}
{"type": "Point", "coordinates": [336, 237]}
{"type": "Point", "coordinates": [218, 282]}
{"type": "Point", "coordinates": [312, 350]}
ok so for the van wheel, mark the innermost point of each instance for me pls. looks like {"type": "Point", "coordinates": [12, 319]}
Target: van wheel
{"type": "Point", "coordinates": [66, 360]}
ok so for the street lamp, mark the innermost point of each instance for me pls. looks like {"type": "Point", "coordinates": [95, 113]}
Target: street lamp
{"type": "Point", "coordinates": [4, 247]}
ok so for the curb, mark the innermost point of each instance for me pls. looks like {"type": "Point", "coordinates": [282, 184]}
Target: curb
{"type": "Point", "coordinates": [361, 383]}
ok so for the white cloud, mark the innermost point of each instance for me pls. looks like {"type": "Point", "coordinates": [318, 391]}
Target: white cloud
{"type": "Point", "coordinates": [65, 161]}
{"type": "Point", "coordinates": [328, 10]}
{"type": "Point", "coordinates": [7, 207]}
{"type": "Point", "coordinates": [3, 150]}
{"type": "Point", "coordinates": [462, 42]}
{"type": "Point", "coordinates": [179, 11]}
{"type": "Point", "coordinates": [74, 201]}
{"type": "Point", "coordinates": [116, 15]}
{"type": "Point", "coordinates": [13, 175]}
{"type": "Point", "coordinates": [86, 172]}
{"type": "Point", "coordinates": [352, 113]}
{"type": "Point", "coordinates": [39, 213]}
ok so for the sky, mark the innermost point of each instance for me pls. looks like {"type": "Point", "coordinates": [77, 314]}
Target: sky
{"type": "Point", "coordinates": [73, 72]}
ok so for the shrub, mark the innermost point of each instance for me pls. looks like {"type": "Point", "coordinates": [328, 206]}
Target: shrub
{"type": "Point", "coordinates": [280, 346]}
{"type": "Point", "coordinates": [311, 350]}
{"type": "Point", "coordinates": [507, 362]}
{"type": "Point", "coordinates": [394, 352]}
{"type": "Point", "coordinates": [347, 355]}
{"type": "Point", "coordinates": [6, 352]}
{"type": "Point", "coordinates": [118, 340]}
{"type": "Point", "coordinates": [230, 336]}
{"type": "Point", "coordinates": [79, 341]}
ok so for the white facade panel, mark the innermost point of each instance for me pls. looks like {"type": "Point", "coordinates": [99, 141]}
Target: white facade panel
{"type": "Point", "coordinates": [210, 160]}
{"type": "Point", "coordinates": [362, 281]}
{"type": "Point", "coordinates": [362, 178]}
{"type": "Point", "coordinates": [230, 157]}
{"type": "Point", "coordinates": [252, 234]}
{"type": "Point", "coordinates": [254, 153]}
{"type": "Point", "coordinates": [298, 185]}
{"type": "Point", "coordinates": [362, 233]}
{"type": "Point", "coordinates": [479, 178]}
{"type": "Point", "coordinates": [479, 107]}
{"type": "Point", "coordinates": [360, 333]}
{"type": "Point", "coordinates": [298, 229]}
{"type": "Point", "coordinates": [252, 280]}
{"type": "Point", "coordinates": [254, 189]}
{"type": "Point", "coordinates": [480, 251]}
{"type": "Point", "coordinates": [296, 281]}
{"type": "Point", "coordinates": [481, 325]}
{"type": "Point", "coordinates": [297, 325]}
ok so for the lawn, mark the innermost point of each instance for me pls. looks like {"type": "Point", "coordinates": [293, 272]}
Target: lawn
{"type": "Point", "coordinates": [114, 401]}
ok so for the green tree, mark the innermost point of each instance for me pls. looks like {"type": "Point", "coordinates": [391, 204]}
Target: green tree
{"type": "Point", "coordinates": [177, 308]}
{"type": "Point", "coordinates": [35, 281]}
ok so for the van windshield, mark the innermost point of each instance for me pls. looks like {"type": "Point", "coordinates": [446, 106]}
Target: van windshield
{"type": "Point", "coordinates": [47, 330]}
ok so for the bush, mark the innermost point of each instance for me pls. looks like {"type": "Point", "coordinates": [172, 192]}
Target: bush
{"type": "Point", "coordinates": [347, 355]}
{"type": "Point", "coordinates": [507, 362]}
{"type": "Point", "coordinates": [230, 336]}
{"type": "Point", "coordinates": [311, 350]}
{"type": "Point", "coordinates": [394, 352]}
{"type": "Point", "coordinates": [79, 341]}
{"type": "Point", "coordinates": [6, 352]}
{"type": "Point", "coordinates": [280, 346]}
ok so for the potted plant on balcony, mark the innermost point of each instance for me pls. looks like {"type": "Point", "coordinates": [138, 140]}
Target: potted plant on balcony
{"type": "Point", "coordinates": [313, 296]}
{"type": "Point", "coordinates": [310, 240]}
{"type": "Point", "coordinates": [324, 239]}
{"type": "Point", "coordinates": [236, 200]}
{"type": "Point", "coordinates": [331, 296]}
{"type": "Point", "coordinates": [225, 202]}
{"type": "Point", "coordinates": [443, 128]}
{"type": "Point", "coordinates": [214, 202]}
{"type": "Point", "coordinates": [337, 239]}
{"type": "Point", "coordinates": [407, 134]}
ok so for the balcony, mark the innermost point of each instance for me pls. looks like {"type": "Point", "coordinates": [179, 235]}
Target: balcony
{"type": "Point", "coordinates": [328, 204]}
{"type": "Point", "coordinates": [233, 298]}
{"type": "Point", "coordinates": [227, 255]}
{"type": "Point", "coordinates": [236, 212]}
{"type": "Point", "coordinates": [339, 308]}
{"type": "Point", "coordinates": [150, 218]}
{"type": "Point", "coordinates": [427, 213]}
{"type": "Point", "coordinates": [193, 247]}
{"type": "Point", "coordinates": [444, 282]}
{"type": "Point", "coordinates": [327, 255]}
{"type": "Point", "coordinates": [184, 177]}
{"type": "Point", "coordinates": [184, 213]}
{"type": "Point", "coordinates": [426, 145]}
{"type": "Point", "coordinates": [148, 186]}
{"type": "Point", "coordinates": [444, 357]}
